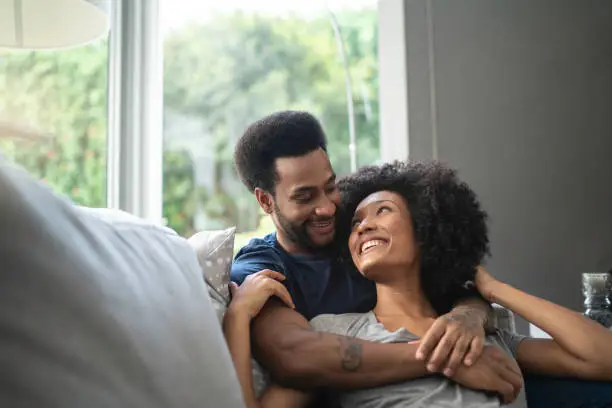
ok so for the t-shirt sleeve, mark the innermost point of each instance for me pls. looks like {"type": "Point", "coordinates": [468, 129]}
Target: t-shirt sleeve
{"type": "Point", "coordinates": [511, 340]}
{"type": "Point", "coordinates": [252, 259]}
{"type": "Point", "coordinates": [333, 323]}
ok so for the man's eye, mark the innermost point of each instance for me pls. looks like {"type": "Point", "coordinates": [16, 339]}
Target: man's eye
{"type": "Point", "coordinates": [355, 223]}
{"type": "Point", "coordinates": [302, 198]}
{"type": "Point", "coordinates": [331, 189]}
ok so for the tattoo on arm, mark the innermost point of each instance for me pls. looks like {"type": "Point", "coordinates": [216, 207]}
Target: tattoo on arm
{"type": "Point", "coordinates": [470, 318]}
{"type": "Point", "coordinates": [351, 353]}
{"type": "Point", "coordinates": [350, 350]}
{"type": "Point", "coordinates": [465, 316]}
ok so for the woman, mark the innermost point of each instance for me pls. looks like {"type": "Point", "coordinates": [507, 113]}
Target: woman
{"type": "Point", "coordinates": [420, 234]}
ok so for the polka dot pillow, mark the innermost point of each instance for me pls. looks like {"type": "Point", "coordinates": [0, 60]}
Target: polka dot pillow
{"type": "Point", "coordinates": [215, 250]}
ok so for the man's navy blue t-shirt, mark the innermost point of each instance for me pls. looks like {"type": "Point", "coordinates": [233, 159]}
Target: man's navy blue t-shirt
{"type": "Point", "coordinates": [317, 284]}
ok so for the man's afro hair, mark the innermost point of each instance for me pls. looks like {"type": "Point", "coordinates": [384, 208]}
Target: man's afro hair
{"type": "Point", "coordinates": [279, 135]}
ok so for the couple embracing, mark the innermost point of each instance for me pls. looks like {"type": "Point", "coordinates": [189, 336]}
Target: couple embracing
{"type": "Point", "coordinates": [371, 291]}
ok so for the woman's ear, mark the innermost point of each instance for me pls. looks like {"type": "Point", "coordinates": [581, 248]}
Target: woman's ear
{"type": "Point", "coordinates": [265, 200]}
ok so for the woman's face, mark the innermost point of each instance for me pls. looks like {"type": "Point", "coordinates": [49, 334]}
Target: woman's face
{"type": "Point", "coordinates": [382, 235]}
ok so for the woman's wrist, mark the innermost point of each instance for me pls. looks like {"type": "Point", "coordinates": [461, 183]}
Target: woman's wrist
{"type": "Point", "coordinates": [236, 315]}
{"type": "Point", "coordinates": [491, 291]}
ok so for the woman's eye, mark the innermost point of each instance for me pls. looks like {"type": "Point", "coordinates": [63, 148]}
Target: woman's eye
{"type": "Point", "coordinates": [383, 209]}
{"type": "Point", "coordinates": [355, 223]}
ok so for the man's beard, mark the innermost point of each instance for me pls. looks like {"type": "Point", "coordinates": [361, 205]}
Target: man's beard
{"type": "Point", "coordinates": [298, 233]}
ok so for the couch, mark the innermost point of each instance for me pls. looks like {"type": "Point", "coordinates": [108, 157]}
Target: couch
{"type": "Point", "coordinates": [101, 309]}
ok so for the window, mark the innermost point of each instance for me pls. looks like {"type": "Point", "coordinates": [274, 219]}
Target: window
{"type": "Point", "coordinates": [229, 63]}
{"type": "Point", "coordinates": [53, 106]}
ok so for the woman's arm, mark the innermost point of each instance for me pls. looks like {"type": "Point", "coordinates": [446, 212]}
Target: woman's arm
{"type": "Point", "coordinates": [579, 347]}
{"type": "Point", "coordinates": [246, 303]}
{"type": "Point", "coordinates": [237, 334]}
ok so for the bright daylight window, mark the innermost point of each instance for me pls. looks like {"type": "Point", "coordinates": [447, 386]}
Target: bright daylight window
{"type": "Point", "coordinates": [231, 62]}
{"type": "Point", "coordinates": [53, 107]}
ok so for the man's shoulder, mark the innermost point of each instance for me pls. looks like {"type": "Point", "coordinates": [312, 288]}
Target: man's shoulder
{"type": "Point", "coordinates": [258, 254]}
{"type": "Point", "coordinates": [258, 243]}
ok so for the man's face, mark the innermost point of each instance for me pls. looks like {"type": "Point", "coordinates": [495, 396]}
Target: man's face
{"type": "Point", "coordinates": [305, 200]}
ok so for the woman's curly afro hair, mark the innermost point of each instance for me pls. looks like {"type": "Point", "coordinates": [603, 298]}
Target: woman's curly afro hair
{"type": "Point", "coordinates": [450, 226]}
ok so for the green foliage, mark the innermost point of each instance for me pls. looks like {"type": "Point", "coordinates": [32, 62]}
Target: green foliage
{"type": "Point", "coordinates": [63, 93]}
{"type": "Point", "coordinates": [264, 227]}
{"type": "Point", "coordinates": [180, 196]}
{"type": "Point", "coordinates": [237, 68]}
{"type": "Point", "coordinates": [222, 73]}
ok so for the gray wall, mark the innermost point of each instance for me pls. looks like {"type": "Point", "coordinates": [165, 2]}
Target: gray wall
{"type": "Point", "coordinates": [517, 95]}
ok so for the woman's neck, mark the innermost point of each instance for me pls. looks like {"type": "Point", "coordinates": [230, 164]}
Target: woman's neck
{"type": "Point", "coordinates": [402, 303]}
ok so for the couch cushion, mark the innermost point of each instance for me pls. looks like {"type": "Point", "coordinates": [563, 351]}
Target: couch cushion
{"type": "Point", "coordinates": [215, 249]}
{"type": "Point", "coordinates": [99, 309]}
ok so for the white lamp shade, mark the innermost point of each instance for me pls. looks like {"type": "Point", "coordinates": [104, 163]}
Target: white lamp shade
{"type": "Point", "coordinates": [43, 24]}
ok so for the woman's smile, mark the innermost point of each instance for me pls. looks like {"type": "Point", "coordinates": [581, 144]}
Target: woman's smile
{"type": "Point", "coordinates": [372, 244]}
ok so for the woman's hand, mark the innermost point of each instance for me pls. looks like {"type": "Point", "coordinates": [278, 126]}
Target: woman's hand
{"type": "Point", "coordinates": [252, 295]}
{"type": "Point", "coordinates": [485, 283]}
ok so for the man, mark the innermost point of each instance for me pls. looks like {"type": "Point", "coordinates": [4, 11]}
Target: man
{"type": "Point", "coordinates": [283, 160]}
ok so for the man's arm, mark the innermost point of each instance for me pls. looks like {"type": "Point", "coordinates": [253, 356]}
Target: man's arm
{"type": "Point", "coordinates": [476, 305]}
{"type": "Point", "coordinates": [299, 357]}
{"type": "Point", "coordinates": [302, 358]}
{"type": "Point", "coordinates": [470, 302]}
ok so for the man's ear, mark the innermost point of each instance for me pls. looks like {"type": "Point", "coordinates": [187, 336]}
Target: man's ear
{"type": "Point", "coordinates": [265, 200]}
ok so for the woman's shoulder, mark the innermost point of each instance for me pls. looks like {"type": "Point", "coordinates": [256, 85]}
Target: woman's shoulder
{"type": "Point", "coordinates": [346, 324]}
{"type": "Point", "coordinates": [507, 340]}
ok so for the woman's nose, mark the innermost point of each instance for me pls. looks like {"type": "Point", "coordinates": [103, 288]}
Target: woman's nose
{"type": "Point", "coordinates": [365, 225]}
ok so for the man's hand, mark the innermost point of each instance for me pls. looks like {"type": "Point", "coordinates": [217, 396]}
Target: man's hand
{"type": "Point", "coordinates": [454, 337]}
{"type": "Point", "coordinates": [495, 372]}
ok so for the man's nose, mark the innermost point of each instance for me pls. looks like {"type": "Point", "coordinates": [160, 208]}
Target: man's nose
{"type": "Point", "coordinates": [327, 208]}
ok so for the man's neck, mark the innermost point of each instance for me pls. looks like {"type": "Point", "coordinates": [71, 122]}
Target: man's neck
{"type": "Point", "coordinates": [289, 246]}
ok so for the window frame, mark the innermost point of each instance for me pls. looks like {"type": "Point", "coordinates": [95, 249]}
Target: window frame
{"type": "Point", "coordinates": [135, 98]}
{"type": "Point", "coordinates": [135, 110]}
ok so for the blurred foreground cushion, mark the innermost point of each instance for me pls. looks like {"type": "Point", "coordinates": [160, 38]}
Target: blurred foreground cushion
{"type": "Point", "coordinates": [102, 309]}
